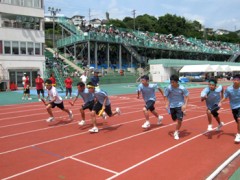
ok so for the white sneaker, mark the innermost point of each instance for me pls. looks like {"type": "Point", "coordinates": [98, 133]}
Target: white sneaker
{"type": "Point", "coordinates": [29, 98]}
{"type": "Point", "coordinates": [70, 115]}
{"type": "Point", "coordinates": [93, 130]}
{"type": "Point", "coordinates": [66, 97]}
{"type": "Point", "coordinates": [39, 100]}
{"type": "Point", "coordinates": [176, 136]}
{"type": "Point", "coordinates": [219, 126]}
{"type": "Point", "coordinates": [71, 97]}
{"type": "Point", "coordinates": [23, 98]}
{"type": "Point", "coordinates": [160, 118]}
{"type": "Point", "coordinates": [209, 127]}
{"type": "Point", "coordinates": [82, 122]}
{"type": "Point", "coordinates": [146, 125]}
{"type": "Point", "coordinates": [237, 138]}
{"type": "Point", "coordinates": [104, 115]}
{"type": "Point", "coordinates": [50, 119]}
{"type": "Point", "coordinates": [118, 110]}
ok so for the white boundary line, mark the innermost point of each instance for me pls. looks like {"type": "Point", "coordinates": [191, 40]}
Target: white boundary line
{"type": "Point", "coordinates": [223, 165]}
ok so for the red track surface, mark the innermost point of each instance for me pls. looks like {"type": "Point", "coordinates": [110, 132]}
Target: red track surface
{"type": "Point", "coordinates": [33, 149]}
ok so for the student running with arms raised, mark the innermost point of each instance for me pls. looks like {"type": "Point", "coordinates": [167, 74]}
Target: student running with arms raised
{"type": "Point", "coordinates": [88, 100]}
{"type": "Point", "coordinates": [148, 93]}
{"type": "Point", "coordinates": [212, 94]}
{"type": "Point", "coordinates": [233, 93]}
{"type": "Point", "coordinates": [102, 102]}
{"type": "Point", "coordinates": [177, 99]}
{"type": "Point", "coordinates": [55, 100]}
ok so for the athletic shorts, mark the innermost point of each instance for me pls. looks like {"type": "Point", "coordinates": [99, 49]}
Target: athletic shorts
{"type": "Point", "coordinates": [69, 90]}
{"type": "Point", "coordinates": [26, 91]}
{"type": "Point", "coordinates": [60, 106]}
{"type": "Point", "coordinates": [98, 106]}
{"type": "Point", "coordinates": [88, 105]}
{"type": "Point", "coordinates": [214, 110]}
{"type": "Point", "coordinates": [40, 91]}
{"type": "Point", "coordinates": [236, 114]}
{"type": "Point", "coordinates": [150, 105]}
{"type": "Point", "coordinates": [176, 113]}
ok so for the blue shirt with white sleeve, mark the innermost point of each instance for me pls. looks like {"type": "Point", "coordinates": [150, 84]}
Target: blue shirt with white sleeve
{"type": "Point", "coordinates": [234, 96]}
{"type": "Point", "coordinates": [148, 92]}
{"type": "Point", "coordinates": [213, 97]}
{"type": "Point", "coordinates": [175, 95]}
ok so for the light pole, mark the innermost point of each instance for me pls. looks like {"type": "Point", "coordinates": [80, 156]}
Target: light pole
{"type": "Point", "coordinates": [53, 12]}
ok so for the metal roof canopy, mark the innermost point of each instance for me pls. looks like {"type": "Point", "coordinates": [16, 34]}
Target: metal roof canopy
{"type": "Point", "coordinates": [180, 62]}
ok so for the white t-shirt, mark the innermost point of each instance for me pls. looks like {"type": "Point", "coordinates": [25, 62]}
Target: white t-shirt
{"type": "Point", "coordinates": [83, 78]}
{"type": "Point", "coordinates": [53, 93]}
{"type": "Point", "coordinates": [23, 80]}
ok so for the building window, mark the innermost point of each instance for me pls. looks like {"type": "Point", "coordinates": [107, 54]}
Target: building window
{"type": "Point", "coordinates": [30, 48]}
{"type": "Point", "coordinates": [1, 48]}
{"type": "Point", "coordinates": [28, 3]}
{"type": "Point", "coordinates": [37, 48]}
{"type": "Point", "coordinates": [23, 48]}
{"type": "Point", "coordinates": [7, 47]}
{"type": "Point", "coordinates": [15, 47]}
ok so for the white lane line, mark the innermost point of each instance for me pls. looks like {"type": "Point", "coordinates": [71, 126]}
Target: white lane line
{"type": "Point", "coordinates": [96, 166]}
{"type": "Point", "coordinates": [158, 154]}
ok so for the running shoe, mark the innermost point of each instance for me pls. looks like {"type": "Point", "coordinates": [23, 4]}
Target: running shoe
{"type": "Point", "coordinates": [118, 110]}
{"type": "Point", "coordinates": [93, 130]}
{"type": "Point", "coordinates": [50, 119]}
{"type": "Point", "coordinates": [146, 125]}
{"type": "Point", "coordinates": [160, 118]}
{"type": "Point", "coordinates": [209, 127]}
{"type": "Point", "coordinates": [176, 135]}
{"type": "Point", "coordinates": [237, 138]}
{"type": "Point", "coordinates": [219, 126]}
{"type": "Point", "coordinates": [81, 123]}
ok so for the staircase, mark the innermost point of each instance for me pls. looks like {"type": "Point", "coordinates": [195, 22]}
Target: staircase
{"type": "Point", "coordinates": [66, 61]}
{"type": "Point", "coordinates": [234, 58]}
{"type": "Point", "coordinates": [133, 52]}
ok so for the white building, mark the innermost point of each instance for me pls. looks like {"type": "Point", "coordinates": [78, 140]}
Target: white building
{"type": "Point", "coordinates": [21, 40]}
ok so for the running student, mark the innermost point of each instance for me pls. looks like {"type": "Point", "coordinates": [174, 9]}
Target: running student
{"type": "Point", "coordinates": [177, 99]}
{"type": "Point", "coordinates": [233, 93]}
{"type": "Point", "coordinates": [88, 99]}
{"type": "Point", "coordinates": [212, 95]}
{"type": "Point", "coordinates": [55, 100]}
{"type": "Point", "coordinates": [102, 102]}
{"type": "Point", "coordinates": [148, 93]}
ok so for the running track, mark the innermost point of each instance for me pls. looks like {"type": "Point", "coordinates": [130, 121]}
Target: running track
{"type": "Point", "coordinates": [30, 148]}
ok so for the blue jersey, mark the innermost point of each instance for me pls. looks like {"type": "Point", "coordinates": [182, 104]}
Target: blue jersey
{"type": "Point", "coordinates": [95, 80]}
{"type": "Point", "coordinates": [101, 95]}
{"type": "Point", "coordinates": [86, 95]}
{"type": "Point", "coordinates": [148, 92]}
{"type": "Point", "coordinates": [234, 96]}
{"type": "Point", "coordinates": [176, 95]}
{"type": "Point", "coordinates": [213, 97]}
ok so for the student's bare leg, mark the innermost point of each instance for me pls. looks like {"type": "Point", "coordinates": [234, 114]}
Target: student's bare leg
{"type": "Point", "coordinates": [93, 118]}
{"type": "Point", "coordinates": [49, 110]}
{"type": "Point", "coordinates": [209, 116]}
{"type": "Point", "coordinates": [82, 114]}
{"type": "Point", "coordinates": [238, 126]}
{"type": "Point", "coordinates": [155, 113]}
{"type": "Point", "coordinates": [146, 114]}
{"type": "Point", "coordinates": [179, 124]}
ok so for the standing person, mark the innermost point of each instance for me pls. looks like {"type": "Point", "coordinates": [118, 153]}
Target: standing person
{"type": "Point", "coordinates": [95, 78]}
{"type": "Point", "coordinates": [24, 79]}
{"type": "Point", "coordinates": [88, 100]}
{"type": "Point", "coordinates": [55, 100]}
{"type": "Point", "coordinates": [102, 103]}
{"type": "Point", "coordinates": [68, 84]}
{"type": "Point", "coordinates": [26, 87]}
{"type": "Point", "coordinates": [83, 78]}
{"type": "Point", "coordinates": [177, 99]}
{"type": "Point", "coordinates": [148, 93]}
{"type": "Point", "coordinates": [233, 93]}
{"type": "Point", "coordinates": [212, 94]}
{"type": "Point", "coordinates": [39, 86]}
{"type": "Point", "coordinates": [53, 79]}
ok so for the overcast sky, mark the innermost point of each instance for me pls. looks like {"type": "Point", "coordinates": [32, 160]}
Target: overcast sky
{"type": "Point", "coordinates": [217, 14]}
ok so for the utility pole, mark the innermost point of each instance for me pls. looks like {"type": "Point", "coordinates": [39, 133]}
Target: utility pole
{"type": "Point", "coordinates": [53, 12]}
{"type": "Point", "coordinates": [134, 13]}
{"type": "Point", "coordinates": [89, 16]}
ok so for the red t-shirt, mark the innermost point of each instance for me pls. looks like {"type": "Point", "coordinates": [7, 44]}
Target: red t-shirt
{"type": "Point", "coordinates": [68, 83]}
{"type": "Point", "coordinates": [39, 83]}
{"type": "Point", "coordinates": [53, 80]}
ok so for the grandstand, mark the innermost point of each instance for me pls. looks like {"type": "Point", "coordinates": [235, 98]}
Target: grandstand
{"type": "Point", "coordinates": [111, 49]}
